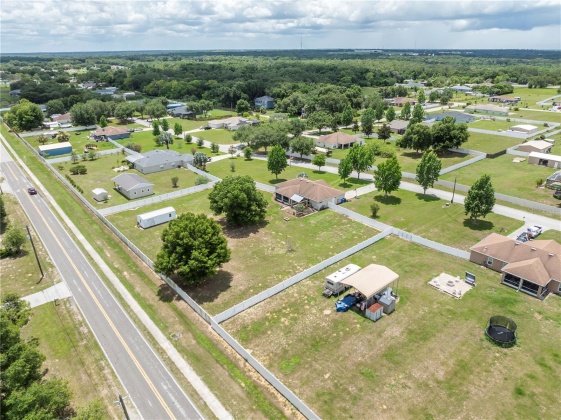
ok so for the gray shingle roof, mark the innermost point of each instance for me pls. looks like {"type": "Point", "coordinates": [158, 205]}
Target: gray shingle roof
{"type": "Point", "coordinates": [128, 181]}
{"type": "Point", "coordinates": [158, 157]}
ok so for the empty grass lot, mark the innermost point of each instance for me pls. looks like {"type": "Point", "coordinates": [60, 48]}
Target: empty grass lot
{"type": "Point", "coordinates": [146, 141]}
{"type": "Point", "coordinates": [100, 175]}
{"type": "Point", "coordinates": [78, 142]}
{"type": "Point", "coordinates": [21, 274]}
{"type": "Point", "coordinates": [257, 169]}
{"type": "Point", "coordinates": [427, 216]}
{"type": "Point", "coordinates": [508, 177]}
{"type": "Point", "coordinates": [536, 115]}
{"type": "Point", "coordinates": [491, 125]}
{"type": "Point", "coordinates": [430, 355]}
{"type": "Point", "coordinates": [186, 124]}
{"type": "Point", "coordinates": [262, 256]}
{"type": "Point", "coordinates": [408, 159]}
{"type": "Point", "coordinates": [489, 143]}
{"type": "Point", "coordinates": [531, 96]}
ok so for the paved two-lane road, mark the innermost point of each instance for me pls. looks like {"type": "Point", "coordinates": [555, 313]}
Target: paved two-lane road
{"type": "Point", "coordinates": [148, 383]}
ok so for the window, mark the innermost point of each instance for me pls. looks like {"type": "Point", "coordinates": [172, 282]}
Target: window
{"type": "Point", "coordinates": [489, 260]}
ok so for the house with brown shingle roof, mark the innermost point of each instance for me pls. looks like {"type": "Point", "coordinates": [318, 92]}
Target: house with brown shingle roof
{"type": "Point", "coordinates": [301, 190]}
{"type": "Point", "coordinates": [110, 132]}
{"type": "Point", "coordinates": [338, 140]}
{"type": "Point", "coordinates": [401, 101]}
{"type": "Point", "coordinates": [531, 267]}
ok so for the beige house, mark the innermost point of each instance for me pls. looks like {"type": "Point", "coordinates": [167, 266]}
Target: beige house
{"type": "Point", "coordinates": [399, 126]}
{"type": "Point", "coordinates": [524, 128]}
{"type": "Point", "coordinates": [544, 159]}
{"type": "Point", "coordinates": [540, 146]}
{"type": "Point", "coordinates": [338, 140]}
{"type": "Point", "coordinates": [487, 109]}
{"type": "Point", "coordinates": [317, 194]}
{"type": "Point", "coordinates": [531, 267]}
{"type": "Point", "coordinates": [401, 101]}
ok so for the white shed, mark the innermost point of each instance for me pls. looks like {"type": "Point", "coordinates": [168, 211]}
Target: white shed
{"type": "Point", "coordinates": [156, 217]}
{"type": "Point", "coordinates": [99, 194]}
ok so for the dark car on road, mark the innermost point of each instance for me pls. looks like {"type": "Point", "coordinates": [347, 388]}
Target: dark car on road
{"type": "Point", "coordinates": [32, 191]}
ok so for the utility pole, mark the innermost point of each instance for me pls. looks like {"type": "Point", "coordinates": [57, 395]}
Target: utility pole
{"type": "Point", "coordinates": [35, 252]}
{"type": "Point", "coordinates": [122, 403]}
{"type": "Point", "coordinates": [454, 190]}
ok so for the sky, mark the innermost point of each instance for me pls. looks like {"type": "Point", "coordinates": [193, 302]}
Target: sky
{"type": "Point", "coordinates": [120, 25]}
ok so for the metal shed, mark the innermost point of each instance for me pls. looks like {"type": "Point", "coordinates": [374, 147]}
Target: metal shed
{"type": "Point", "coordinates": [99, 194]}
{"type": "Point", "coordinates": [55, 149]}
{"type": "Point", "coordinates": [374, 312]}
{"type": "Point", "coordinates": [156, 217]}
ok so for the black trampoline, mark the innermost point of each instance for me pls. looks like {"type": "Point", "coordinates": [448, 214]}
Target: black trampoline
{"type": "Point", "coordinates": [501, 331]}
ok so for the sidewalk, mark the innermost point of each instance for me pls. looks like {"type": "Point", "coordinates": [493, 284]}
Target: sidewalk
{"type": "Point", "coordinates": [56, 292]}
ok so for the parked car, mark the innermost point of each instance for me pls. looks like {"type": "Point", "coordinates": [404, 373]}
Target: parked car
{"type": "Point", "coordinates": [206, 127]}
{"type": "Point", "coordinates": [32, 191]}
{"type": "Point", "coordinates": [557, 194]}
{"type": "Point", "coordinates": [343, 305]}
{"type": "Point", "coordinates": [523, 237]}
{"type": "Point", "coordinates": [534, 231]}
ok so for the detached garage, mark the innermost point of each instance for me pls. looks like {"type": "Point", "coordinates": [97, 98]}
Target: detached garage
{"type": "Point", "coordinates": [55, 149]}
{"type": "Point", "coordinates": [544, 159]}
{"type": "Point", "coordinates": [156, 217]}
{"type": "Point", "coordinates": [524, 128]}
{"type": "Point", "coordinates": [99, 194]}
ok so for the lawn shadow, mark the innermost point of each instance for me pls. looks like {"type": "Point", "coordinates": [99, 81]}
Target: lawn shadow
{"type": "Point", "coordinates": [427, 197]}
{"type": "Point", "coordinates": [277, 181]}
{"type": "Point", "coordinates": [166, 293]}
{"type": "Point", "coordinates": [479, 225]}
{"type": "Point", "coordinates": [412, 155]}
{"type": "Point", "coordinates": [239, 232]}
{"type": "Point", "coordinates": [211, 289]}
{"type": "Point", "coordinates": [390, 200]}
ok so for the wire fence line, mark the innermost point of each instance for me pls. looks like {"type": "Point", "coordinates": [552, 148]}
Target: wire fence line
{"type": "Point", "coordinates": [463, 164]}
{"type": "Point", "coordinates": [266, 294]}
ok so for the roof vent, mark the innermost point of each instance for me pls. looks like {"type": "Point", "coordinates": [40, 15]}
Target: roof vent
{"type": "Point", "coordinates": [551, 255]}
{"type": "Point", "coordinates": [516, 243]}
{"type": "Point", "coordinates": [533, 249]}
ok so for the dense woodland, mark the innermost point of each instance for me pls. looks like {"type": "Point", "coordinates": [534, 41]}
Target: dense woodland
{"type": "Point", "coordinates": [226, 77]}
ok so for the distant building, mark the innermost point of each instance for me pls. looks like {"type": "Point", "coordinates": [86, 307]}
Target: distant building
{"type": "Point", "coordinates": [461, 88]}
{"type": "Point", "coordinates": [15, 92]}
{"type": "Point", "coordinates": [232, 123]}
{"type": "Point", "coordinates": [460, 117]}
{"type": "Point", "coordinates": [55, 149]}
{"type": "Point", "coordinates": [181, 112]}
{"type": "Point", "coordinates": [264, 102]}
{"type": "Point", "coordinates": [61, 118]}
{"type": "Point", "coordinates": [524, 128]}
{"type": "Point", "coordinates": [133, 186]}
{"type": "Point", "coordinates": [507, 100]}
{"type": "Point", "coordinates": [316, 194]}
{"type": "Point", "coordinates": [159, 160]}
{"type": "Point", "coordinates": [544, 159]}
{"type": "Point", "coordinates": [487, 109]}
{"type": "Point", "coordinates": [110, 132]}
{"type": "Point", "coordinates": [400, 101]}
{"type": "Point", "coordinates": [338, 140]}
{"type": "Point", "coordinates": [399, 126]}
{"type": "Point", "coordinates": [106, 91]}
{"type": "Point", "coordinates": [540, 146]}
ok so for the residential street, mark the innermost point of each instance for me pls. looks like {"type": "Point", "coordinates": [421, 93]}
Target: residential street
{"type": "Point", "coordinates": [150, 386]}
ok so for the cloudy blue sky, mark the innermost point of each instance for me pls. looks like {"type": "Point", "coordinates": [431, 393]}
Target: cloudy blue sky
{"type": "Point", "coordinates": [74, 25]}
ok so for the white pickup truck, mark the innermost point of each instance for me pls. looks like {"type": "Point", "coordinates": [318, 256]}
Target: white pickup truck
{"type": "Point", "coordinates": [534, 231]}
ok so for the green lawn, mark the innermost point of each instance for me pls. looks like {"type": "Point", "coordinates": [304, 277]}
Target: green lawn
{"type": "Point", "coordinates": [146, 141]}
{"type": "Point", "coordinates": [430, 355]}
{"type": "Point", "coordinates": [551, 234]}
{"type": "Point", "coordinates": [491, 125]}
{"type": "Point", "coordinates": [508, 177]}
{"type": "Point", "coordinates": [489, 143]}
{"type": "Point", "coordinates": [78, 142]}
{"type": "Point", "coordinates": [262, 256]}
{"type": "Point", "coordinates": [408, 159]}
{"type": "Point", "coordinates": [536, 115]}
{"type": "Point", "coordinates": [219, 136]}
{"type": "Point", "coordinates": [531, 96]}
{"type": "Point", "coordinates": [187, 125]}
{"type": "Point", "coordinates": [116, 123]}
{"type": "Point", "coordinates": [257, 169]}
{"type": "Point", "coordinates": [100, 175]}
{"type": "Point", "coordinates": [427, 216]}
{"type": "Point", "coordinates": [21, 274]}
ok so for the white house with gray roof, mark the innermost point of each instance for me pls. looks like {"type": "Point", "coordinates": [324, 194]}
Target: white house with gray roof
{"type": "Point", "coordinates": [159, 160]}
{"type": "Point", "coordinates": [133, 186]}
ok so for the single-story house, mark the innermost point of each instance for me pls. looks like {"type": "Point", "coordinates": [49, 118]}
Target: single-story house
{"type": "Point", "coordinates": [410, 84]}
{"type": "Point", "coordinates": [487, 109]}
{"type": "Point", "coordinates": [399, 126]}
{"type": "Point", "coordinates": [182, 112]}
{"type": "Point", "coordinates": [173, 105]}
{"type": "Point", "coordinates": [400, 101]}
{"type": "Point", "coordinates": [540, 146]}
{"type": "Point", "coordinates": [133, 186]}
{"type": "Point", "coordinates": [338, 140]}
{"type": "Point", "coordinates": [504, 99]}
{"type": "Point", "coordinates": [43, 108]}
{"type": "Point", "coordinates": [461, 88]}
{"type": "Point", "coordinates": [264, 102]}
{"type": "Point", "coordinates": [110, 132]}
{"type": "Point", "coordinates": [55, 149]}
{"type": "Point", "coordinates": [15, 92]}
{"type": "Point", "coordinates": [232, 123]}
{"type": "Point", "coordinates": [128, 95]}
{"type": "Point", "coordinates": [530, 267]}
{"type": "Point", "coordinates": [544, 159]}
{"type": "Point", "coordinates": [159, 160]}
{"type": "Point", "coordinates": [106, 91]}
{"type": "Point", "coordinates": [87, 85]}
{"type": "Point", "coordinates": [50, 124]}
{"type": "Point", "coordinates": [317, 194]}
{"type": "Point", "coordinates": [61, 118]}
{"type": "Point", "coordinates": [460, 117]}
{"type": "Point", "coordinates": [524, 128]}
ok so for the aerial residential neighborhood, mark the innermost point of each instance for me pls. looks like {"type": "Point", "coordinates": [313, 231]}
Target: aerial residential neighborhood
{"type": "Point", "coordinates": [284, 212]}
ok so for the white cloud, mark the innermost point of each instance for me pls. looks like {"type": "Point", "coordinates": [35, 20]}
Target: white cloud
{"type": "Point", "coordinates": [33, 25]}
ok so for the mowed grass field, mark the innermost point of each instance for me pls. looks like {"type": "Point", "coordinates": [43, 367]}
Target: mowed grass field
{"type": "Point", "coordinates": [427, 216]}
{"type": "Point", "coordinates": [216, 135]}
{"type": "Point", "coordinates": [100, 174]}
{"type": "Point", "coordinates": [508, 177]}
{"type": "Point", "coordinates": [531, 96]}
{"type": "Point", "coordinates": [257, 169]}
{"type": "Point", "coordinates": [78, 142]}
{"type": "Point", "coordinates": [489, 143]}
{"type": "Point", "coordinates": [429, 359]}
{"type": "Point", "coordinates": [496, 125]}
{"type": "Point", "coordinates": [146, 141]}
{"type": "Point", "coordinates": [545, 116]}
{"type": "Point", "coordinates": [262, 256]}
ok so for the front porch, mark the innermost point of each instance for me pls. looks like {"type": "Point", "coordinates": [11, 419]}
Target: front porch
{"type": "Point", "coordinates": [524, 286]}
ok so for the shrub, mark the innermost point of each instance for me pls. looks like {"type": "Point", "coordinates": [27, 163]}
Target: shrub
{"type": "Point", "coordinates": [174, 181]}
{"type": "Point", "coordinates": [247, 152]}
{"type": "Point", "coordinates": [200, 180]}
{"type": "Point", "coordinates": [300, 208]}
{"type": "Point", "coordinates": [214, 148]}
{"type": "Point", "coordinates": [539, 182]}
{"type": "Point", "coordinates": [508, 120]}
{"type": "Point", "coordinates": [5, 253]}
{"type": "Point", "coordinates": [516, 108]}
{"type": "Point", "coordinates": [545, 124]}
{"type": "Point", "coordinates": [188, 138]}
{"type": "Point", "coordinates": [232, 166]}
{"type": "Point", "coordinates": [200, 142]}
{"type": "Point", "coordinates": [374, 209]}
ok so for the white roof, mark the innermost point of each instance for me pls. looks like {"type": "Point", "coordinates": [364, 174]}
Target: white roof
{"type": "Point", "coordinates": [297, 198]}
{"type": "Point", "coordinates": [524, 127]}
{"type": "Point", "coordinates": [54, 146]}
{"type": "Point", "coordinates": [157, 213]}
{"type": "Point", "coordinates": [99, 191]}
{"type": "Point", "coordinates": [343, 273]}
{"type": "Point", "coordinates": [539, 144]}
{"type": "Point", "coordinates": [545, 156]}
{"type": "Point", "coordinates": [371, 279]}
